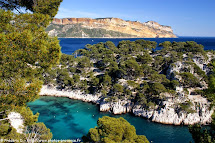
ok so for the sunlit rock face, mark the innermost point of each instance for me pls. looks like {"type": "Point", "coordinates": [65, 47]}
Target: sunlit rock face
{"type": "Point", "coordinates": [63, 28]}
{"type": "Point", "coordinates": [166, 115]}
{"type": "Point", "coordinates": [16, 121]}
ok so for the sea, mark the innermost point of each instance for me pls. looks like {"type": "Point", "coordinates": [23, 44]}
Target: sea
{"type": "Point", "coordinates": [69, 45]}
{"type": "Point", "coordinates": [71, 119]}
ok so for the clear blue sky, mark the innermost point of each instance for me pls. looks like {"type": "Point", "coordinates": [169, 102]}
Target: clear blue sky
{"type": "Point", "coordinates": [186, 17]}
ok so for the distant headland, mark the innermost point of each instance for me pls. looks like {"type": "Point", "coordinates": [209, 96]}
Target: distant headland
{"type": "Point", "coordinates": [107, 28]}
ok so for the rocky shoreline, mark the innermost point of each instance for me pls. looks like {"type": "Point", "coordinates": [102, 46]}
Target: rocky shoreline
{"type": "Point", "coordinates": [164, 115]}
{"type": "Point", "coordinates": [75, 94]}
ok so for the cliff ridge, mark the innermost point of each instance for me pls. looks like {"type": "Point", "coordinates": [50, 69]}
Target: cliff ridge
{"type": "Point", "coordinates": [108, 27]}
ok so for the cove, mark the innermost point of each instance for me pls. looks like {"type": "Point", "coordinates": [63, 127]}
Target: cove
{"type": "Point", "coordinates": [71, 119]}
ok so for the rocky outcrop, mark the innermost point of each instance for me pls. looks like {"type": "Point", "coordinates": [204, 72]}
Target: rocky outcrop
{"type": "Point", "coordinates": [200, 61]}
{"type": "Point", "coordinates": [168, 114]}
{"type": "Point", "coordinates": [156, 25]}
{"type": "Point", "coordinates": [83, 27]}
{"type": "Point", "coordinates": [16, 120]}
{"type": "Point", "coordinates": [77, 94]}
{"type": "Point", "coordinates": [117, 107]}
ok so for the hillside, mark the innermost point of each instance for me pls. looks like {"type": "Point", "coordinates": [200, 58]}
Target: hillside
{"type": "Point", "coordinates": [107, 27]}
{"type": "Point", "coordinates": [168, 86]}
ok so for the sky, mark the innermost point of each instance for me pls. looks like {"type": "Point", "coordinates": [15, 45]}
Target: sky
{"type": "Point", "coordinates": [186, 17]}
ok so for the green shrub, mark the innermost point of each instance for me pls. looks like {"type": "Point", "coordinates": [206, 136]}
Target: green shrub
{"type": "Point", "coordinates": [114, 130]}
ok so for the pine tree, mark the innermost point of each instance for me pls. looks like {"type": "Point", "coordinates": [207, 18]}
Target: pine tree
{"type": "Point", "coordinates": [26, 51]}
{"type": "Point", "coordinates": [114, 130]}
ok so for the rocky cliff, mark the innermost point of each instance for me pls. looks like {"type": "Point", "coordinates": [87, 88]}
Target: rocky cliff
{"type": "Point", "coordinates": [165, 115]}
{"type": "Point", "coordinates": [107, 27]}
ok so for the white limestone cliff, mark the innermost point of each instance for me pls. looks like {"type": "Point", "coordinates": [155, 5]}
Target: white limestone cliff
{"type": "Point", "coordinates": [168, 114]}
{"type": "Point", "coordinates": [74, 94]}
{"type": "Point", "coordinates": [117, 107]}
{"type": "Point", "coordinates": [16, 121]}
{"type": "Point", "coordinates": [165, 115]}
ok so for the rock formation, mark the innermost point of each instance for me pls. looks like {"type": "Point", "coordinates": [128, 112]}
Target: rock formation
{"type": "Point", "coordinates": [165, 115]}
{"type": "Point", "coordinates": [107, 27]}
{"type": "Point", "coordinates": [16, 121]}
{"type": "Point", "coordinates": [52, 91]}
{"type": "Point", "coordinates": [168, 114]}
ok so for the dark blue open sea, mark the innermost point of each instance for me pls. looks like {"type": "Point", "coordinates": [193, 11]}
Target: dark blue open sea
{"type": "Point", "coordinates": [69, 45]}
{"type": "Point", "coordinates": [71, 119]}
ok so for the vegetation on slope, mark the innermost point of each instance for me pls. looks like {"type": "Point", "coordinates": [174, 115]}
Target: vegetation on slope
{"type": "Point", "coordinates": [202, 134]}
{"type": "Point", "coordinates": [131, 71]}
{"type": "Point", "coordinates": [77, 30]}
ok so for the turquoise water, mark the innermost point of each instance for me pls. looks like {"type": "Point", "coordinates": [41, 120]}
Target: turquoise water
{"type": "Point", "coordinates": [71, 119]}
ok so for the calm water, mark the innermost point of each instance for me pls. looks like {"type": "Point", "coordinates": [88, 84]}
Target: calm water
{"type": "Point", "coordinates": [71, 119]}
{"type": "Point", "coordinates": [69, 45]}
